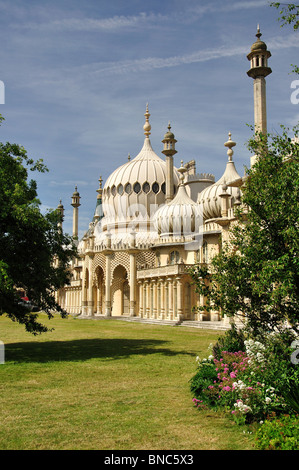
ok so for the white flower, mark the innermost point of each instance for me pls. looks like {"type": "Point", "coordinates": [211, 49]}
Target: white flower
{"type": "Point", "coordinates": [242, 407]}
{"type": "Point", "coordinates": [268, 400]}
{"type": "Point", "coordinates": [239, 385]}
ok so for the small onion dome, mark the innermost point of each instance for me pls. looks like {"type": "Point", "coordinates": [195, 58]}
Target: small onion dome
{"type": "Point", "coordinates": [180, 217]}
{"type": "Point", "coordinates": [210, 198]}
{"type": "Point", "coordinates": [258, 44]}
{"type": "Point", "coordinates": [75, 193]}
{"type": "Point", "coordinates": [76, 198]}
{"type": "Point", "coordinates": [169, 134]}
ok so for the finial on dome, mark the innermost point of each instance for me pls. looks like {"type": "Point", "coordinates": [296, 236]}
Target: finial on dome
{"type": "Point", "coordinates": [182, 170]}
{"type": "Point", "coordinates": [230, 143]}
{"type": "Point", "coordinates": [100, 190]}
{"type": "Point", "coordinates": [129, 157]}
{"type": "Point", "coordinates": [147, 127]}
{"type": "Point", "coordinates": [258, 34]}
{"type": "Point", "coordinates": [60, 210]}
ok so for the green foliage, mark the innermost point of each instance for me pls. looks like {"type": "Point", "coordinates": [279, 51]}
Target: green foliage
{"type": "Point", "coordinates": [252, 384]}
{"type": "Point", "coordinates": [289, 13]}
{"type": "Point", "coordinates": [289, 16]}
{"type": "Point", "coordinates": [279, 434]}
{"type": "Point", "coordinates": [256, 274]}
{"type": "Point", "coordinates": [232, 340]}
{"type": "Point", "coordinates": [204, 377]}
{"type": "Point", "coordinates": [34, 253]}
{"type": "Point", "coordinates": [280, 371]}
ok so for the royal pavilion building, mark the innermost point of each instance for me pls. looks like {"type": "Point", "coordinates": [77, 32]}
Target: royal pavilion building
{"type": "Point", "coordinates": [152, 223]}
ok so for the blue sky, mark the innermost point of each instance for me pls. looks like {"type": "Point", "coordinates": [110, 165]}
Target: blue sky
{"type": "Point", "coordinates": [78, 76]}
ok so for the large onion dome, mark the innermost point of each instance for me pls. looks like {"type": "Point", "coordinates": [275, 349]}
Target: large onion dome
{"type": "Point", "coordinates": [209, 197]}
{"type": "Point", "coordinates": [136, 189]}
{"type": "Point", "coordinates": [180, 217]}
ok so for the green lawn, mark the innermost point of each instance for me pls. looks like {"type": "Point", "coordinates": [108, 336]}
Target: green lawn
{"type": "Point", "coordinates": [107, 384]}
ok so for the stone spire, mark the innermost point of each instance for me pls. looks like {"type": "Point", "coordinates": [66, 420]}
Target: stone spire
{"type": "Point", "coordinates": [169, 151]}
{"type": "Point", "coordinates": [76, 204]}
{"type": "Point", "coordinates": [60, 210]}
{"type": "Point", "coordinates": [230, 144]}
{"type": "Point", "coordinates": [259, 69]}
{"type": "Point", "coordinates": [99, 214]}
{"type": "Point", "coordinates": [147, 127]}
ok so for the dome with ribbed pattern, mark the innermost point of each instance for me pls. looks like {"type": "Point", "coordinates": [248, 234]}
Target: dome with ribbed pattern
{"type": "Point", "coordinates": [137, 188]}
{"type": "Point", "coordinates": [209, 198]}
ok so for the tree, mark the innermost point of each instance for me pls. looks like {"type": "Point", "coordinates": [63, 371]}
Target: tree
{"type": "Point", "coordinates": [289, 15]}
{"type": "Point", "coordinates": [256, 274]}
{"type": "Point", "coordinates": [34, 253]}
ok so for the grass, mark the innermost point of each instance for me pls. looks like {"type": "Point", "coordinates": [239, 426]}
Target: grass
{"type": "Point", "coordinates": [107, 384]}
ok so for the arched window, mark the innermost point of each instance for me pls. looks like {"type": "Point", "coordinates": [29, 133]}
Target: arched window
{"type": "Point", "coordinates": [155, 187]}
{"type": "Point", "coordinates": [128, 188]}
{"type": "Point", "coordinates": [137, 188]}
{"type": "Point", "coordinates": [174, 257]}
{"type": "Point", "coordinates": [146, 187]}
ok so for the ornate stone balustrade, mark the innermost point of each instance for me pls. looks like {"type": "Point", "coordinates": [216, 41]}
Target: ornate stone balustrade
{"type": "Point", "coordinates": [162, 271]}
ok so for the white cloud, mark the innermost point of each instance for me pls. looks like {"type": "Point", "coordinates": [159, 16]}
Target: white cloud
{"type": "Point", "coordinates": [109, 24]}
{"type": "Point", "coordinates": [69, 183]}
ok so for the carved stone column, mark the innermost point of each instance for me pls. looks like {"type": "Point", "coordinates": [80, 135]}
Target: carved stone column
{"type": "Point", "coordinates": [132, 284]}
{"type": "Point", "coordinates": [108, 286]}
{"type": "Point", "coordinates": [170, 299]}
{"type": "Point", "coordinates": [155, 298]}
{"type": "Point", "coordinates": [180, 298]}
{"type": "Point", "coordinates": [140, 284]}
{"type": "Point", "coordinates": [90, 289]}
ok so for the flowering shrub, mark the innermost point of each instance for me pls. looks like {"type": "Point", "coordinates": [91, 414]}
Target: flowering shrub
{"type": "Point", "coordinates": [205, 376]}
{"type": "Point", "coordinates": [251, 384]}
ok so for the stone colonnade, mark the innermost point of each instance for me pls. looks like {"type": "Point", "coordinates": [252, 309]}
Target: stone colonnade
{"type": "Point", "coordinates": [162, 298]}
{"type": "Point", "coordinates": [159, 293]}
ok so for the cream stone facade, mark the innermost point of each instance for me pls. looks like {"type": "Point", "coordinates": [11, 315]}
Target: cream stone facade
{"type": "Point", "coordinates": [152, 222]}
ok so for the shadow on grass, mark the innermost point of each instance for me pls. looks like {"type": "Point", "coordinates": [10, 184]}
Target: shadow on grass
{"type": "Point", "coordinates": [84, 349]}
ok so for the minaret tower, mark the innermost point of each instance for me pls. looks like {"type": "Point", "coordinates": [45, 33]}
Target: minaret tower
{"type": "Point", "coordinates": [99, 209]}
{"type": "Point", "coordinates": [75, 204]}
{"type": "Point", "coordinates": [169, 150]}
{"type": "Point", "coordinates": [259, 69]}
{"type": "Point", "coordinates": [60, 210]}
